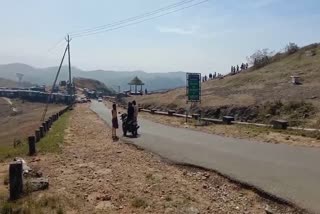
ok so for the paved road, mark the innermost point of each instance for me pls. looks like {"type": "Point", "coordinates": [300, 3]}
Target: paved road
{"type": "Point", "coordinates": [289, 172]}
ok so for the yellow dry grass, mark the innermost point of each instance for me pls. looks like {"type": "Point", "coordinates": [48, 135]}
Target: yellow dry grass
{"type": "Point", "coordinates": [270, 83]}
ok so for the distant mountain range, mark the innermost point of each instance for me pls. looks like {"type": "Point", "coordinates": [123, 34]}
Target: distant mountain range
{"type": "Point", "coordinates": [113, 79]}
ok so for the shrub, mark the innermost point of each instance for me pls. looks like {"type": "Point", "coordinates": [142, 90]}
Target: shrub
{"type": "Point", "coordinates": [260, 58]}
{"type": "Point", "coordinates": [139, 202]}
{"type": "Point", "coordinates": [291, 48]}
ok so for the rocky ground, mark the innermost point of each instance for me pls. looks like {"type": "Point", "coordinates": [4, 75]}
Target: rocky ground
{"type": "Point", "coordinates": [296, 138]}
{"type": "Point", "coordinates": [93, 174]}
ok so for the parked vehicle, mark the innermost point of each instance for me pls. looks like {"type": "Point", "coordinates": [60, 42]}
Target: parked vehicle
{"type": "Point", "coordinates": [129, 126]}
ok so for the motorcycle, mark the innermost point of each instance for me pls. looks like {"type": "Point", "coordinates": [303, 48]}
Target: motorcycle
{"type": "Point", "coordinates": [129, 126]}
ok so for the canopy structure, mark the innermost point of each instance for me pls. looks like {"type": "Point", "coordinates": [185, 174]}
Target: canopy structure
{"type": "Point", "coordinates": [136, 82]}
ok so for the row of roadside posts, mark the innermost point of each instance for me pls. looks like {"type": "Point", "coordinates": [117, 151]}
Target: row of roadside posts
{"type": "Point", "coordinates": [16, 167]}
{"type": "Point", "coordinates": [43, 130]}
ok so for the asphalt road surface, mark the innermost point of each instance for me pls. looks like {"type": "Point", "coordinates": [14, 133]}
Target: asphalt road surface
{"type": "Point", "coordinates": [289, 172]}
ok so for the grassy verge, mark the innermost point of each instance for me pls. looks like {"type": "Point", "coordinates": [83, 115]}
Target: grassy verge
{"type": "Point", "coordinates": [7, 152]}
{"type": "Point", "coordinates": [50, 143]}
{"type": "Point", "coordinates": [256, 130]}
{"type": "Point", "coordinates": [31, 204]}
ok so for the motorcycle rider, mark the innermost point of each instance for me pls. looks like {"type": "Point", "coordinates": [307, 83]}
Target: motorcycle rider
{"type": "Point", "coordinates": [130, 117]}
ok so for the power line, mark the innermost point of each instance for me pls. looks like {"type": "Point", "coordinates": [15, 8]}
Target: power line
{"type": "Point", "coordinates": [172, 6]}
{"type": "Point", "coordinates": [134, 23]}
{"type": "Point", "coordinates": [58, 43]}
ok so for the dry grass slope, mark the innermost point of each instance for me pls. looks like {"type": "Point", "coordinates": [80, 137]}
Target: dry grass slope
{"type": "Point", "coordinates": [271, 83]}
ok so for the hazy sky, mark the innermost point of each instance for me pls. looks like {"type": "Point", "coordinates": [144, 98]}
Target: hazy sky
{"type": "Point", "coordinates": [209, 37]}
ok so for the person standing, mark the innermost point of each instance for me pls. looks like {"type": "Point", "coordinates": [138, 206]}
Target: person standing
{"type": "Point", "coordinates": [136, 110]}
{"type": "Point", "coordinates": [115, 124]}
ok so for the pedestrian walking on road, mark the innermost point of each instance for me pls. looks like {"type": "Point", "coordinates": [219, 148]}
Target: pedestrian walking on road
{"type": "Point", "coordinates": [115, 124]}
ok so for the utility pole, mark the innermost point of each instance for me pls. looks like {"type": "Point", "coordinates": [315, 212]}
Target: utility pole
{"type": "Point", "coordinates": [70, 90]}
{"type": "Point", "coordinates": [53, 85]}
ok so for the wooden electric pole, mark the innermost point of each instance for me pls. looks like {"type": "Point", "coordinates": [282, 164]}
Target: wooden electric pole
{"type": "Point", "coordinates": [53, 85]}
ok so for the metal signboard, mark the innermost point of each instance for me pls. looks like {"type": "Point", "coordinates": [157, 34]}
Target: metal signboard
{"type": "Point", "coordinates": [193, 87]}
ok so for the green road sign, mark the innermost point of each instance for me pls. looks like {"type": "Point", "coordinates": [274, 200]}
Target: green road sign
{"type": "Point", "coordinates": [194, 87]}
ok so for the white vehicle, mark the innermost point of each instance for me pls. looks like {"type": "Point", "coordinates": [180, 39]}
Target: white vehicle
{"type": "Point", "coordinates": [99, 99]}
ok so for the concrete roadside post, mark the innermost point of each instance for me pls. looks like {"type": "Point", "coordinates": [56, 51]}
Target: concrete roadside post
{"type": "Point", "coordinates": [48, 125]}
{"type": "Point", "coordinates": [50, 122]}
{"type": "Point", "coordinates": [227, 119]}
{"type": "Point", "coordinates": [41, 132]}
{"type": "Point", "coordinates": [195, 116]}
{"type": "Point", "coordinates": [171, 112]}
{"type": "Point", "coordinates": [32, 145]}
{"type": "Point", "coordinates": [37, 135]}
{"type": "Point", "coordinates": [53, 118]}
{"type": "Point", "coordinates": [45, 129]}
{"type": "Point", "coordinates": [15, 180]}
{"type": "Point", "coordinates": [280, 124]}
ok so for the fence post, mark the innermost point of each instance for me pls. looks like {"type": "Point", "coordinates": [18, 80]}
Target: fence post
{"type": "Point", "coordinates": [15, 179]}
{"type": "Point", "coordinates": [45, 129]}
{"type": "Point", "coordinates": [37, 135]}
{"type": "Point", "coordinates": [50, 121]}
{"type": "Point", "coordinates": [41, 132]}
{"type": "Point", "coordinates": [32, 145]}
{"type": "Point", "coordinates": [48, 125]}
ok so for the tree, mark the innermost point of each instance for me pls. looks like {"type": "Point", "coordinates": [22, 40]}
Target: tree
{"type": "Point", "coordinates": [291, 48]}
{"type": "Point", "coordinates": [260, 58]}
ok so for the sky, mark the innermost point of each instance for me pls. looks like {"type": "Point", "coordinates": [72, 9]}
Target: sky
{"type": "Point", "coordinates": [209, 37]}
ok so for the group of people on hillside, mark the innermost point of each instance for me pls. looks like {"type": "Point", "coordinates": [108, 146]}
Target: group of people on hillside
{"type": "Point", "coordinates": [237, 69]}
{"type": "Point", "coordinates": [132, 115]}
{"type": "Point", "coordinates": [211, 76]}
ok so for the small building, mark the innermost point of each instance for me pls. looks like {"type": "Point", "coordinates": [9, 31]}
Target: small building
{"type": "Point", "coordinates": [136, 82]}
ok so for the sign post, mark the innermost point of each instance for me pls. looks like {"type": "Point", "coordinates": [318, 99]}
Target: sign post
{"type": "Point", "coordinates": [193, 89]}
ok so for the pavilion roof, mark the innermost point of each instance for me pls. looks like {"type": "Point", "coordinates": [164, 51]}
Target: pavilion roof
{"type": "Point", "coordinates": [136, 81]}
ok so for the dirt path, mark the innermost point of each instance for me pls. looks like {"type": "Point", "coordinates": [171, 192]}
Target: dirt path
{"type": "Point", "coordinates": [94, 174]}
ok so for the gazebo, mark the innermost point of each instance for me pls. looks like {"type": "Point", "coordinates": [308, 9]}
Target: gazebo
{"type": "Point", "coordinates": [136, 82]}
